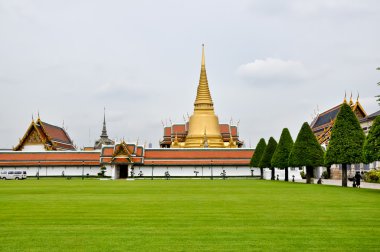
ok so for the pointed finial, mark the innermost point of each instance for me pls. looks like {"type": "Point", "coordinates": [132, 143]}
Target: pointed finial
{"type": "Point", "coordinates": [38, 113]}
{"type": "Point", "coordinates": [32, 118]}
{"type": "Point", "coordinates": [104, 115]}
{"type": "Point", "coordinates": [63, 124]}
{"type": "Point", "coordinates": [357, 98]}
{"type": "Point", "coordinates": [203, 54]}
{"type": "Point", "coordinates": [345, 95]}
{"type": "Point", "coordinates": [351, 102]}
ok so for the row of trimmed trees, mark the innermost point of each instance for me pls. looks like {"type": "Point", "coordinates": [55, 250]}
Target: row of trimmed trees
{"type": "Point", "coordinates": [347, 145]}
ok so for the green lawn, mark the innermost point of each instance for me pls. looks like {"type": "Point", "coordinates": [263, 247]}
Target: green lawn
{"type": "Point", "coordinates": [186, 215]}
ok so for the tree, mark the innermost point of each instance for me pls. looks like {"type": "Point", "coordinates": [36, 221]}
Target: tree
{"type": "Point", "coordinates": [346, 142]}
{"type": "Point", "coordinates": [378, 96]}
{"type": "Point", "coordinates": [371, 148]}
{"type": "Point", "coordinates": [280, 157]}
{"type": "Point", "coordinates": [259, 150]}
{"type": "Point", "coordinates": [265, 161]}
{"type": "Point", "coordinates": [306, 151]}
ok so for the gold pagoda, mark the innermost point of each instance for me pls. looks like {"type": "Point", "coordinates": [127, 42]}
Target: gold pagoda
{"type": "Point", "coordinates": [203, 129]}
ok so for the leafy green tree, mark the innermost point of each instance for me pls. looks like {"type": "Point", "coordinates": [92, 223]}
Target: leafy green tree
{"type": "Point", "coordinates": [371, 148]}
{"type": "Point", "coordinates": [280, 157]}
{"type": "Point", "coordinates": [259, 150]}
{"type": "Point", "coordinates": [266, 159]}
{"type": "Point", "coordinates": [346, 142]}
{"type": "Point", "coordinates": [306, 151]}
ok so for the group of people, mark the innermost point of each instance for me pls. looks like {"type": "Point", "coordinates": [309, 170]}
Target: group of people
{"type": "Point", "coordinates": [355, 180]}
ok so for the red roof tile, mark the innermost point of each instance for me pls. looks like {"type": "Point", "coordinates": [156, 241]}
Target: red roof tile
{"type": "Point", "coordinates": [56, 133]}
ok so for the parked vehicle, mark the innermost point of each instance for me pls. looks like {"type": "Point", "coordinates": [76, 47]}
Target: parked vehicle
{"type": "Point", "coordinates": [13, 175]}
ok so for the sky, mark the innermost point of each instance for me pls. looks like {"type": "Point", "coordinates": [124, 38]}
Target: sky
{"type": "Point", "coordinates": [270, 64]}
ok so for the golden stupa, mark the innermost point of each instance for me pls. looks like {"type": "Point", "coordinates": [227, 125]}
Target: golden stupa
{"type": "Point", "coordinates": [203, 126]}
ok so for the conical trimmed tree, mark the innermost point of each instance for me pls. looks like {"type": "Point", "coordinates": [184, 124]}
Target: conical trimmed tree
{"type": "Point", "coordinates": [306, 151]}
{"type": "Point", "coordinates": [265, 161]}
{"type": "Point", "coordinates": [371, 149]}
{"type": "Point", "coordinates": [259, 150]}
{"type": "Point", "coordinates": [346, 142]}
{"type": "Point", "coordinates": [280, 157]}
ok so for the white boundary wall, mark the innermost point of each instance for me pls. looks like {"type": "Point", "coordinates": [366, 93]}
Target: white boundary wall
{"type": "Point", "coordinates": [56, 170]}
{"type": "Point", "coordinates": [281, 174]}
{"type": "Point", "coordinates": [196, 171]}
{"type": "Point", "coordinates": [158, 171]}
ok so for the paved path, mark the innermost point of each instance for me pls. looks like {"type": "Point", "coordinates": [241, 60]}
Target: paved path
{"type": "Point", "coordinates": [336, 182]}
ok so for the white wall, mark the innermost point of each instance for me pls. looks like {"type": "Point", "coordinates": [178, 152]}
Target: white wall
{"type": "Point", "coordinates": [189, 171]}
{"type": "Point", "coordinates": [56, 170]}
{"type": "Point", "coordinates": [34, 147]}
{"type": "Point", "coordinates": [281, 174]}
{"type": "Point", "coordinates": [177, 171]}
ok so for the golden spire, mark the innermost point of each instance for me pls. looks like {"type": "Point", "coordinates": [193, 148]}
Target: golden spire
{"type": "Point", "coordinates": [344, 100]}
{"type": "Point", "coordinates": [203, 100]}
{"type": "Point", "coordinates": [351, 102]}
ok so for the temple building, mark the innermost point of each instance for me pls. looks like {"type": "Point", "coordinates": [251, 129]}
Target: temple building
{"type": "Point", "coordinates": [322, 126]}
{"type": "Point", "coordinates": [203, 129]}
{"type": "Point", "coordinates": [41, 136]}
{"type": "Point", "coordinates": [103, 140]}
{"type": "Point", "coordinates": [323, 122]}
{"type": "Point", "coordinates": [202, 147]}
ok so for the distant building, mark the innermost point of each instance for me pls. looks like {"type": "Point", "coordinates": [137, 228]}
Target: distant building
{"type": "Point", "coordinates": [202, 147]}
{"type": "Point", "coordinates": [367, 122]}
{"type": "Point", "coordinates": [42, 136]}
{"type": "Point", "coordinates": [103, 140]}
{"type": "Point", "coordinates": [323, 122]}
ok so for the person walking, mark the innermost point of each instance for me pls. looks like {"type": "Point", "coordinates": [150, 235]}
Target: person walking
{"type": "Point", "coordinates": [357, 178]}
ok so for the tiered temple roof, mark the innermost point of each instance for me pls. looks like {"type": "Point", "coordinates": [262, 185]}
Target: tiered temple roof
{"type": "Point", "coordinates": [50, 136]}
{"type": "Point", "coordinates": [179, 132]}
{"type": "Point", "coordinates": [323, 122]}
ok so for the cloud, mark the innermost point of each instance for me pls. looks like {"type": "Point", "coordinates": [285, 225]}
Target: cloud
{"type": "Point", "coordinates": [273, 71]}
{"type": "Point", "coordinates": [315, 7]}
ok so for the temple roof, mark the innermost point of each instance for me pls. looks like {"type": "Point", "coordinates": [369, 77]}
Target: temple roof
{"type": "Point", "coordinates": [51, 136]}
{"type": "Point", "coordinates": [180, 131]}
{"type": "Point", "coordinates": [326, 116]}
{"type": "Point", "coordinates": [204, 157]}
{"type": "Point", "coordinates": [371, 116]}
{"type": "Point", "coordinates": [323, 123]}
{"type": "Point", "coordinates": [53, 158]}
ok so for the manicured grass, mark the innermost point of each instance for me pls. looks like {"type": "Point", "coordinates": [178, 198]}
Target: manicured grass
{"type": "Point", "coordinates": [186, 215]}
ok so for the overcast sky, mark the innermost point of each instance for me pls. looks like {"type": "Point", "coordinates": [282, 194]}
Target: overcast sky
{"type": "Point", "coordinates": [269, 63]}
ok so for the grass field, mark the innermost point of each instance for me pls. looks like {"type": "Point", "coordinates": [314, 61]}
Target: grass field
{"type": "Point", "coordinates": [186, 215]}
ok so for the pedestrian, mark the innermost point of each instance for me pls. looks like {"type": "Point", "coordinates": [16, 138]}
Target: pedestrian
{"type": "Point", "coordinates": [319, 182]}
{"type": "Point", "coordinates": [357, 178]}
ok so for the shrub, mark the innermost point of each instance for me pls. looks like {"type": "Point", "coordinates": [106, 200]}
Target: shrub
{"type": "Point", "coordinates": [303, 175]}
{"type": "Point", "coordinates": [373, 176]}
{"type": "Point", "coordinates": [325, 175]}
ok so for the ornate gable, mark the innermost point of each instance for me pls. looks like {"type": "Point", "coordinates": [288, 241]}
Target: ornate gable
{"type": "Point", "coordinates": [32, 136]}
{"type": "Point", "coordinates": [121, 154]}
{"type": "Point", "coordinates": [50, 136]}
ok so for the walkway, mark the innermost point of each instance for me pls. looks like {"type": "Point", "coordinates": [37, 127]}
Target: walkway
{"type": "Point", "coordinates": [336, 182]}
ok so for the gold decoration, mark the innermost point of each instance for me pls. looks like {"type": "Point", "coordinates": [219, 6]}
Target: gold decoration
{"type": "Point", "coordinates": [203, 117]}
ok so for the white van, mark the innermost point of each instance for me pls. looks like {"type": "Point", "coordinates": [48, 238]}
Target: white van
{"type": "Point", "coordinates": [13, 175]}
